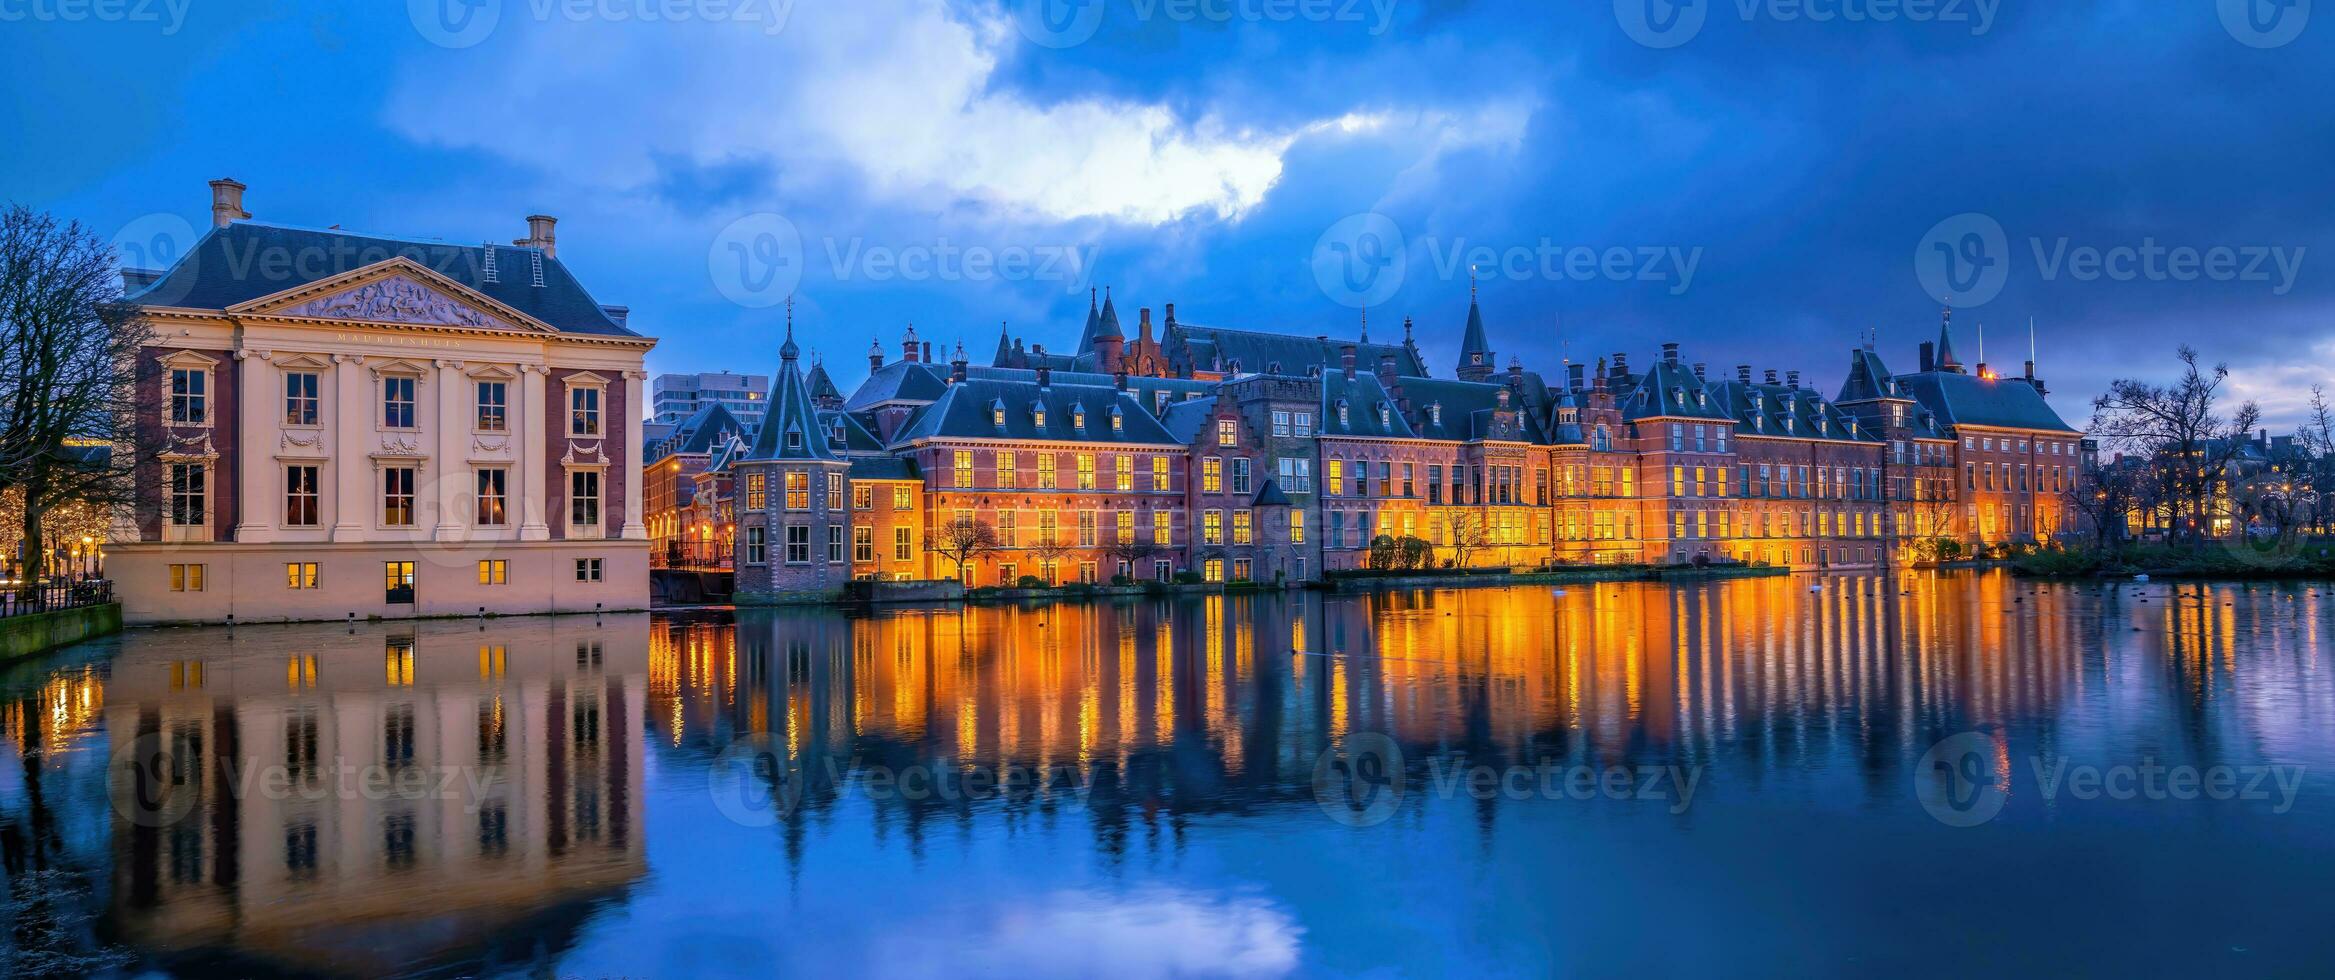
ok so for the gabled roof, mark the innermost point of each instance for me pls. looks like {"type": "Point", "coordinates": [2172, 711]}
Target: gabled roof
{"type": "Point", "coordinates": [1188, 420]}
{"type": "Point", "coordinates": [232, 265]}
{"type": "Point", "coordinates": [883, 468]}
{"type": "Point", "coordinates": [1868, 379]}
{"type": "Point", "coordinates": [1468, 410]}
{"type": "Point", "coordinates": [1270, 495]}
{"type": "Point", "coordinates": [970, 410]}
{"type": "Point", "coordinates": [1963, 399]}
{"type": "Point", "coordinates": [909, 381]}
{"type": "Point", "coordinates": [1362, 396]}
{"type": "Point", "coordinates": [1669, 390]}
{"type": "Point", "coordinates": [703, 431]}
{"type": "Point", "coordinates": [822, 387]}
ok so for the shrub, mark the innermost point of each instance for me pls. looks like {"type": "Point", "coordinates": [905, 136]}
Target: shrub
{"type": "Point", "coordinates": [1188, 577]}
{"type": "Point", "coordinates": [1030, 582]}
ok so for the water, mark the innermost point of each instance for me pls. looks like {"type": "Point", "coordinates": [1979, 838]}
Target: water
{"type": "Point", "coordinates": [1741, 777]}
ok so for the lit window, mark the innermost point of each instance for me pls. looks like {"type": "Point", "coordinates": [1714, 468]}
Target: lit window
{"type": "Point", "coordinates": [493, 571]}
{"type": "Point", "coordinates": [300, 496]}
{"type": "Point", "coordinates": [397, 503]}
{"type": "Point", "coordinates": [300, 575]}
{"type": "Point", "coordinates": [584, 412]}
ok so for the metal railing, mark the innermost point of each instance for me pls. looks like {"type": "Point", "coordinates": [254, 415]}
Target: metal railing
{"type": "Point", "coordinates": [24, 600]}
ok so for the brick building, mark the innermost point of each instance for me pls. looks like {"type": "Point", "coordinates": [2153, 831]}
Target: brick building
{"type": "Point", "coordinates": [1238, 454]}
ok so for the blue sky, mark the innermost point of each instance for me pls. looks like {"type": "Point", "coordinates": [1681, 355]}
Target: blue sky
{"type": "Point", "coordinates": [1761, 180]}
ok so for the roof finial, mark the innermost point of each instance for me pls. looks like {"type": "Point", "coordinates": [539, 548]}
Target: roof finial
{"type": "Point", "coordinates": [1471, 282]}
{"type": "Point", "coordinates": [2030, 337]}
{"type": "Point", "coordinates": [788, 350]}
{"type": "Point", "coordinates": [1365, 323]}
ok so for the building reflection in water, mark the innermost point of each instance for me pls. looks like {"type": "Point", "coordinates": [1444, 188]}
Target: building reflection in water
{"type": "Point", "coordinates": [1135, 720]}
{"type": "Point", "coordinates": [376, 797]}
{"type": "Point", "coordinates": [1223, 704]}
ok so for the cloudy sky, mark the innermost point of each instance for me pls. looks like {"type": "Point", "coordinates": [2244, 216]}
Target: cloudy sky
{"type": "Point", "coordinates": [1764, 181]}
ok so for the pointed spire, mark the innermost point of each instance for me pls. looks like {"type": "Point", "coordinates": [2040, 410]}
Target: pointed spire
{"type": "Point", "coordinates": [788, 350]}
{"type": "Point", "coordinates": [1004, 347]}
{"type": "Point", "coordinates": [1946, 359]}
{"type": "Point", "coordinates": [1107, 324]}
{"type": "Point", "coordinates": [1366, 323]}
{"type": "Point", "coordinates": [1475, 350]}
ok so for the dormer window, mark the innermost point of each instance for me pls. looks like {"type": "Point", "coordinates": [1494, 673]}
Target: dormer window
{"type": "Point", "coordinates": [1038, 414]}
{"type": "Point", "coordinates": [1118, 420]}
{"type": "Point", "coordinates": [1343, 417]}
{"type": "Point", "coordinates": [794, 438]}
{"type": "Point", "coordinates": [1702, 397]}
{"type": "Point", "coordinates": [1385, 417]}
{"type": "Point", "coordinates": [1078, 416]}
{"type": "Point", "coordinates": [997, 414]}
{"type": "Point", "coordinates": [1435, 413]}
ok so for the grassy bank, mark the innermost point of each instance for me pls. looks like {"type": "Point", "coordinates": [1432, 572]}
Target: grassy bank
{"type": "Point", "coordinates": [2225, 560]}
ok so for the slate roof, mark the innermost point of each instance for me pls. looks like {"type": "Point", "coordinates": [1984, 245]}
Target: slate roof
{"type": "Point", "coordinates": [822, 386]}
{"type": "Point", "coordinates": [1869, 379]}
{"type": "Point", "coordinates": [1188, 420]}
{"type": "Point", "coordinates": [1670, 390]}
{"type": "Point", "coordinates": [1362, 397]}
{"type": "Point", "coordinates": [1472, 339]}
{"type": "Point", "coordinates": [913, 381]}
{"type": "Point", "coordinates": [791, 411]}
{"type": "Point", "coordinates": [1256, 352]}
{"type": "Point", "coordinates": [1962, 399]}
{"type": "Point", "coordinates": [968, 411]}
{"type": "Point", "coordinates": [883, 468]}
{"type": "Point", "coordinates": [233, 264]}
{"type": "Point", "coordinates": [701, 433]}
{"type": "Point", "coordinates": [1763, 409]}
{"type": "Point", "coordinates": [1468, 410]}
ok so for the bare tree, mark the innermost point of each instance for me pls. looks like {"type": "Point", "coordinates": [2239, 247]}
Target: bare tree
{"type": "Point", "coordinates": [1049, 552]}
{"type": "Point", "coordinates": [68, 376]}
{"type": "Point", "coordinates": [2317, 436]}
{"type": "Point", "coordinates": [2104, 499]}
{"type": "Point", "coordinates": [1133, 550]}
{"type": "Point", "coordinates": [962, 540]}
{"type": "Point", "coordinates": [2181, 428]}
{"type": "Point", "coordinates": [1470, 533]}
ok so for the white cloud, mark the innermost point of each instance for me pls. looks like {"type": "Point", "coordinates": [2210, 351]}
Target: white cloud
{"type": "Point", "coordinates": [899, 96]}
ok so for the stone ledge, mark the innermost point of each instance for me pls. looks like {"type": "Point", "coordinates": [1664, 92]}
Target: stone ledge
{"type": "Point", "coordinates": [38, 633]}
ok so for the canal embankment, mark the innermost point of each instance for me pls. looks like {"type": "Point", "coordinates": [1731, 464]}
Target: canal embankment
{"type": "Point", "coordinates": [31, 634]}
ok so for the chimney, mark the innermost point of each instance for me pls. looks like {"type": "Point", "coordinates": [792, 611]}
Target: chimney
{"type": "Point", "coordinates": [957, 365]}
{"type": "Point", "coordinates": [1698, 371]}
{"type": "Point", "coordinates": [928, 353]}
{"type": "Point", "coordinates": [1386, 368]}
{"type": "Point", "coordinates": [1143, 322]}
{"type": "Point", "coordinates": [908, 349]}
{"type": "Point", "coordinates": [539, 235]}
{"type": "Point", "coordinates": [1929, 358]}
{"type": "Point", "coordinates": [1621, 362]}
{"type": "Point", "coordinates": [1573, 375]}
{"type": "Point", "coordinates": [1119, 380]}
{"type": "Point", "coordinates": [875, 355]}
{"type": "Point", "coordinates": [1515, 371]}
{"type": "Point", "coordinates": [227, 202]}
{"type": "Point", "coordinates": [1346, 360]}
{"type": "Point", "coordinates": [1743, 373]}
{"type": "Point", "coordinates": [1171, 314]}
{"type": "Point", "coordinates": [1792, 378]}
{"type": "Point", "coordinates": [1771, 376]}
{"type": "Point", "coordinates": [1669, 353]}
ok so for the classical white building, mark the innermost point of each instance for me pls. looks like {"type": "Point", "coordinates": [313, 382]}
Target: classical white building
{"type": "Point", "coordinates": [353, 425]}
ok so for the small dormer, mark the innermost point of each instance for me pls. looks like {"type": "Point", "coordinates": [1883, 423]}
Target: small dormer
{"type": "Point", "coordinates": [997, 413]}
{"type": "Point", "coordinates": [1435, 412]}
{"type": "Point", "coordinates": [1078, 417]}
{"type": "Point", "coordinates": [1852, 425]}
{"type": "Point", "coordinates": [1038, 414]}
{"type": "Point", "coordinates": [1118, 420]}
{"type": "Point", "coordinates": [794, 437]}
{"type": "Point", "coordinates": [1791, 423]}
{"type": "Point", "coordinates": [1701, 397]}
{"type": "Point", "coordinates": [1344, 418]}
{"type": "Point", "coordinates": [1385, 416]}
{"type": "Point", "coordinates": [1823, 425]}
{"type": "Point", "coordinates": [835, 432]}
